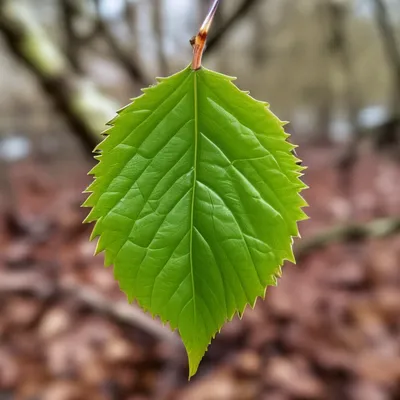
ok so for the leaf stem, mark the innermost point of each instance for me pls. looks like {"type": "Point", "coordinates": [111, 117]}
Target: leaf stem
{"type": "Point", "coordinates": [199, 41]}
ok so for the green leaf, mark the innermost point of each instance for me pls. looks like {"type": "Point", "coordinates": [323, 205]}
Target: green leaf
{"type": "Point", "coordinates": [196, 199]}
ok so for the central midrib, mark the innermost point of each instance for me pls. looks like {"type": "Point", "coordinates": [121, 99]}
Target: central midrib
{"type": "Point", "coordinates": [195, 161]}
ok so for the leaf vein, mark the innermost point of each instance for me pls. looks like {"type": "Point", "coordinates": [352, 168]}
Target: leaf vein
{"type": "Point", "coordinates": [240, 229]}
{"type": "Point", "coordinates": [165, 264]}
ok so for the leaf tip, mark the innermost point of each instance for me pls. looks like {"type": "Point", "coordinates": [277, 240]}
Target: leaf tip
{"type": "Point", "coordinates": [194, 362]}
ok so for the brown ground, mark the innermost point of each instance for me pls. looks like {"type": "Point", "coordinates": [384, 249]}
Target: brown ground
{"type": "Point", "coordinates": [330, 330]}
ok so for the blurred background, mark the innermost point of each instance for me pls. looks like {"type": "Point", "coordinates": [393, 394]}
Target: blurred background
{"type": "Point", "coordinates": [331, 329]}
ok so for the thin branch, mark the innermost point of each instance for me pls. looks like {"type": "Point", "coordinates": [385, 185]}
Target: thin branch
{"type": "Point", "coordinates": [227, 26]}
{"type": "Point", "coordinates": [122, 56]}
{"type": "Point", "coordinates": [85, 108]}
{"type": "Point", "coordinates": [38, 285]}
{"type": "Point", "coordinates": [343, 233]}
{"type": "Point", "coordinates": [200, 40]}
{"type": "Point", "coordinates": [118, 310]}
{"type": "Point", "coordinates": [130, 16]}
{"type": "Point", "coordinates": [126, 61]}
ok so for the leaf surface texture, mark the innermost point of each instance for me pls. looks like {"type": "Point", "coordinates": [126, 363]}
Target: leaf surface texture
{"type": "Point", "coordinates": [196, 200]}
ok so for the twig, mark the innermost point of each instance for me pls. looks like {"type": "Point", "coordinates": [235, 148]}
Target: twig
{"type": "Point", "coordinates": [39, 285]}
{"type": "Point", "coordinates": [375, 229]}
{"type": "Point", "coordinates": [118, 310]}
{"type": "Point", "coordinates": [225, 28]}
{"type": "Point", "coordinates": [123, 57]}
{"type": "Point", "coordinates": [25, 282]}
{"type": "Point", "coordinates": [126, 61]}
{"type": "Point", "coordinates": [199, 41]}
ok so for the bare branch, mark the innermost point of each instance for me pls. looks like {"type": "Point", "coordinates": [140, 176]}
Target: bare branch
{"type": "Point", "coordinates": [343, 233]}
{"type": "Point", "coordinates": [120, 310]}
{"type": "Point", "coordinates": [85, 108]}
{"type": "Point", "coordinates": [38, 285]}
{"type": "Point", "coordinates": [227, 26]}
{"type": "Point", "coordinates": [122, 56]}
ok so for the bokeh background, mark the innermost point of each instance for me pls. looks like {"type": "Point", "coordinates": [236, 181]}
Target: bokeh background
{"type": "Point", "coordinates": [331, 329]}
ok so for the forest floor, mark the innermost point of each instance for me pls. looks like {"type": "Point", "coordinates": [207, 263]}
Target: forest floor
{"type": "Point", "coordinates": [330, 330]}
